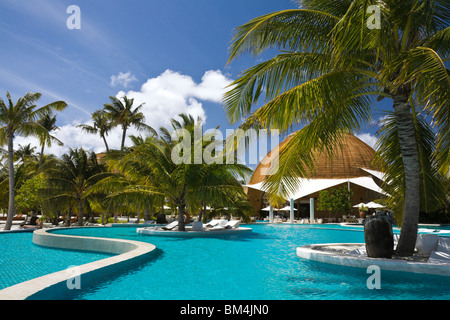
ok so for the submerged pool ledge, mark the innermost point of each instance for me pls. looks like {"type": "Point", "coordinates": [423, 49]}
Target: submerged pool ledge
{"type": "Point", "coordinates": [55, 286]}
{"type": "Point", "coordinates": [328, 253]}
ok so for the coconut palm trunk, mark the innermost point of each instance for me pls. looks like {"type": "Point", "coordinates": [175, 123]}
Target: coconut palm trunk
{"type": "Point", "coordinates": [80, 213]}
{"type": "Point", "coordinates": [69, 216]}
{"type": "Point", "coordinates": [11, 207]}
{"type": "Point", "coordinates": [106, 143]}
{"type": "Point", "coordinates": [411, 163]}
{"type": "Point", "coordinates": [41, 156]}
{"type": "Point", "coordinates": [181, 224]}
{"type": "Point", "coordinates": [124, 135]}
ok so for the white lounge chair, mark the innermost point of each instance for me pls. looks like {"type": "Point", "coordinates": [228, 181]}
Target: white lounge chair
{"type": "Point", "coordinates": [212, 223]}
{"type": "Point", "coordinates": [221, 225]}
{"type": "Point", "coordinates": [234, 224]}
{"type": "Point", "coordinates": [442, 252]}
{"type": "Point", "coordinates": [427, 243]}
{"type": "Point", "coordinates": [170, 226]}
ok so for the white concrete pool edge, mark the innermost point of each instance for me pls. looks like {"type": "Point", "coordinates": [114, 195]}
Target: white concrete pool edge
{"type": "Point", "coordinates": [125, 249]}
{"type": "Point", "coordinates": [308, 252]}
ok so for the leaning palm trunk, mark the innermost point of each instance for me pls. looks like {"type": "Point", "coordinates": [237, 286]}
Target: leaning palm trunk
{"type": "Point", "coordinates": [11, 207]}
{"type": "Point", "coordinates": [410, 157]}
{"type": "Point", "coordinates": [106, 143]}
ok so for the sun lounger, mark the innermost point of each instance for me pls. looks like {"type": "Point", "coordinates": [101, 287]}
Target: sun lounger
{"type": "Point", "coordinates": [170, 226]}
{"type": "Point", "coordinates": [442, 252]}
{"type": "Point", "coordinates": [228, 225]}
{"type": "Point", "coordinates": [232, 224]}
{"type": "Point", "coordinates": [426, 243]}
{"type": "Point", "coordinates": [212, 223]}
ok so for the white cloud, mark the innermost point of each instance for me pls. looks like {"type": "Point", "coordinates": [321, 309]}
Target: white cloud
{"type": "Point", "coordinates": [122, 79]}
{"type": "Point", "coordinates": [165, 97]}
{"type": "Point", "coordinates": [172, 93]}
{"type": "Point", "coordinates": [212, 86]}
{"type": "Point", "coordinates": [368, 138]}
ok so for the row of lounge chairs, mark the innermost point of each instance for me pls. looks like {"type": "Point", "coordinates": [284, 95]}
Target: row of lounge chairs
{"type": "Point", "coordinates": [214, 224]}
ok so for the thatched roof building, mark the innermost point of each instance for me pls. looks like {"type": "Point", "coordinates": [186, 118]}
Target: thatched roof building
{"type": "Point", "coordinates": [350, 167]}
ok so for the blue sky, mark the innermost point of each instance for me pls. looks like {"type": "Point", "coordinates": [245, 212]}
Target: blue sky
{"type": "Point", "coordinates": [170, 54]}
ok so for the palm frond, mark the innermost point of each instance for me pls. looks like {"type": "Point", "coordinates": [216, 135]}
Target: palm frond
{"type": "Point", "coordinates": [291, 30]}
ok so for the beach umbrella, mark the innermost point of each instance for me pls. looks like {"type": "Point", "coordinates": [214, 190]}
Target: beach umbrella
{"type": "Point", "coordinates": [359, 205]}
{"type": "Point", "coordinates": [287, 208]}
{"type": "Point", "coordinates": [374, 205]}
{"type": "Point", "coordinates": [268, 209]}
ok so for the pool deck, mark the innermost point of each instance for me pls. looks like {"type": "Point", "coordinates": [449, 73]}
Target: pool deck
{"type": "Point", "coordinates": [58, 282]}
{"type": "Point", "coordinates": [338, 253]}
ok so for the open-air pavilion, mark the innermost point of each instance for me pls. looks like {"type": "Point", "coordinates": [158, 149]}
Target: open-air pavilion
{"type": "Point", "coordinates": [351, 167]}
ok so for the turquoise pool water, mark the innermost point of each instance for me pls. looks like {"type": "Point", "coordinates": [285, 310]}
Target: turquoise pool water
{"type": "Point", "coordinates": [261, 265]}
{"type": "Point", "coordinates": [21, 260]}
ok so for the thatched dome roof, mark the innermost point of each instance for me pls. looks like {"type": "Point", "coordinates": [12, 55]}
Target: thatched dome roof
{"type": "Point", "coordinates": [350, 156]}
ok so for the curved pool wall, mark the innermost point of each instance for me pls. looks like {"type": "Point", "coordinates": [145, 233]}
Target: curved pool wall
{"type": "Point", "coordinates": [316, 253]}
{"type": "Point", "coordinates": [55, 285]}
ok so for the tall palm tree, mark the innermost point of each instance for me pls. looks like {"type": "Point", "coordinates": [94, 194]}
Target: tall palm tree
{"type": "Point", "coordinates": [102, 125]}
{"type": "Point", "coordinates": [21, 118]}
{"type": "Point", "coordinates": [329, 73]}
{"type": "Point", "coordinates": [123, 114]}
{"type": "Point", "coordinates": [48, 122]}
{"type": "Point", "coordinates": [71, 178]}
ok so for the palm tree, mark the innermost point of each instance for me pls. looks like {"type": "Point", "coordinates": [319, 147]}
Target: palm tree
{"type": "Point", "coordinates": [72, 178]}
{"type": "Point", "coordinates": [21, 118]}
{"type": "Point", "coordinates": [332, 68]}
{"type": "Point", "coordinates": [155, 175]}
{"type": "Point", "coordinates": [25, 153]}
{"type": "Point", "coordinates": [123, 114]}
{"type": "Point", "coordinates": [102, 125]}
{"type": "Point", "coordinates": [48, 122]}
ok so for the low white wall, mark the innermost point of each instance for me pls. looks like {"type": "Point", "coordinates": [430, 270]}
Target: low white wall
{"type": "Point", "coordinates": [125, 250]}
{"type": "Point", "coordinates": [308, 252]}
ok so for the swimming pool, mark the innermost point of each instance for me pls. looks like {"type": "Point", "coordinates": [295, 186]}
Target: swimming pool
{"type": "Point", "coordinates": [21, 260]}
{"type": "Point", "coordinates": [261, 265]}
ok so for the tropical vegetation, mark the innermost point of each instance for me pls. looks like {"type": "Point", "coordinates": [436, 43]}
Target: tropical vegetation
{"type": "Point", "coordinates": [141, 178]}
{"type": "Point", "coordinates": [22, 118]}
{"type": "Point", "coordinates": [335, 201]}
{"type": "Point", "coordinates": [148, 173]}
{"type": "Point", "coordinates": [333, 60]}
